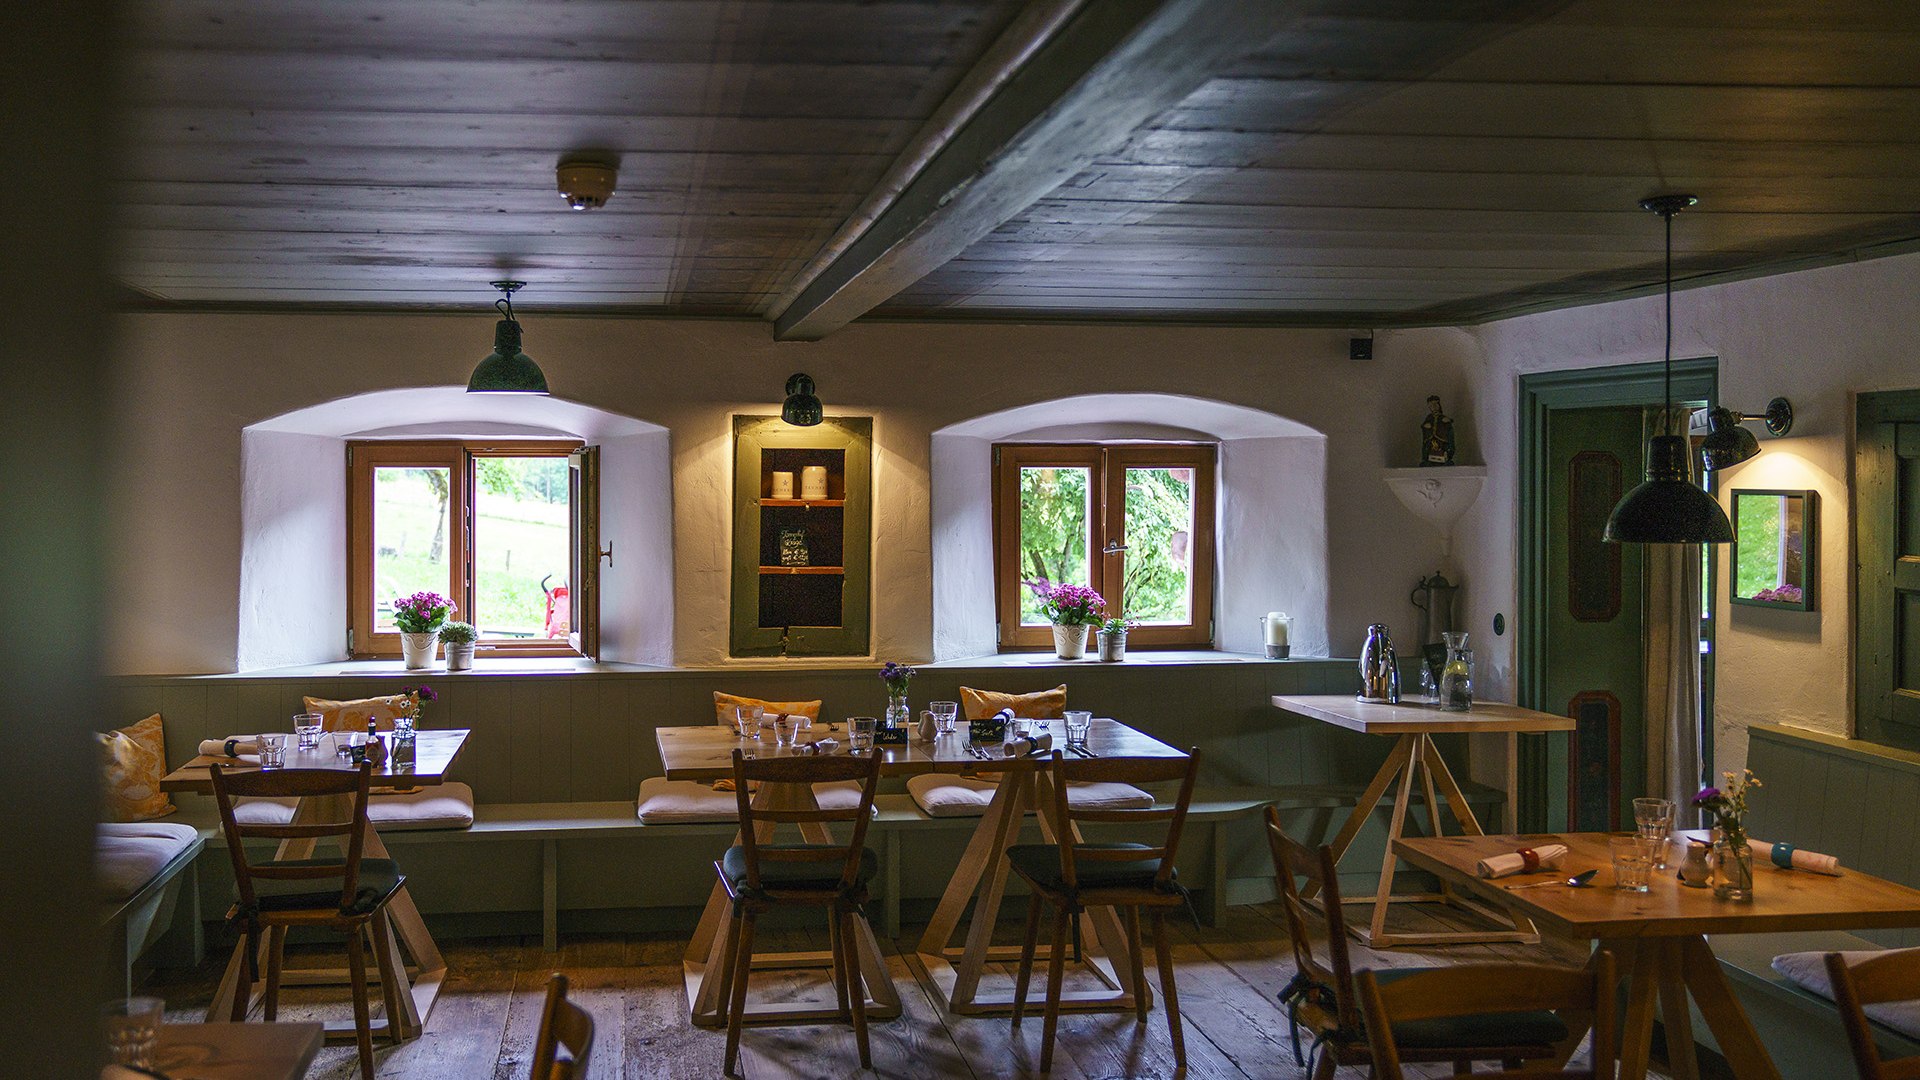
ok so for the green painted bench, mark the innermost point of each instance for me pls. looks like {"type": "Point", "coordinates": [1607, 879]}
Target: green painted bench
{"type": "Point", "coordinates": [165, 907]}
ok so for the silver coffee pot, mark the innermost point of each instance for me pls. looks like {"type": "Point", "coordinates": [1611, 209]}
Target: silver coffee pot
{"type": "Point", "coordinates": [1379, 675]}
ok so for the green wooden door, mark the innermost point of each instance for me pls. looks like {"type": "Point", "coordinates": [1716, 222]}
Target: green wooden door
{"type": "Point", "coordinates": [1887, 612]}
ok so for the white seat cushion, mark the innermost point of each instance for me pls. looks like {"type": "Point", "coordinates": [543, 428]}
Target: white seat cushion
{"type": "Point", "coordinates": [439, 806]}
{"type": "Point", "coordinates": [1808, 970]}
{"type": "Point", "coordinates": [127, 855]}
{"type": "Point", "coordinates": [942, 795]}
{"type": "Point", "coordinates": [685, 802]}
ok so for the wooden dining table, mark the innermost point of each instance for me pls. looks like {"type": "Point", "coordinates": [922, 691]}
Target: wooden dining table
{"type": "Point", "coordinates": [279, 1051]}
{"type": "Point", "coordinates": [415, 956]}
{"type": "Point", "coordinates": [952, 972]}
{"type": "Point", "coordinates": [1659, 938]}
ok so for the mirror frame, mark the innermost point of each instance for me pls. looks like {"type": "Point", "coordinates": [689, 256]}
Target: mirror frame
{"type": "Point", "coordinates": [1809, 564]}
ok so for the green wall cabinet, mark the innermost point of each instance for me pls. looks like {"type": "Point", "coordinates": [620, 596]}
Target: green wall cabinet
{"type": "Point", "coordinates": [802, 567]}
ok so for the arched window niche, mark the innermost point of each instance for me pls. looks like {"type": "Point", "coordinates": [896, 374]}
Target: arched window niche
{"type": "Point", "coordinates": [293, 561]}
{"type": "Point", "coordinates": [1271, 510]}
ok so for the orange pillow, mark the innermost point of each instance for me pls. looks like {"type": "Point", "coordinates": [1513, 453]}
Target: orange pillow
{"type": "Point", "coordinates": [1039, 705]}
{"type": "Point", "coordinates": [135, 758]}
{"type": "Point", "coordinates": [724, 704]}
{"type": "Point", "coordinates": [353, 715]}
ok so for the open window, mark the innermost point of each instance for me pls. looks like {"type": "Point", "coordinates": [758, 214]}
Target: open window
{"type": "Point", "coordinates": [1133, 521]}
{"type": "Point", "coordinates": [509, 531]}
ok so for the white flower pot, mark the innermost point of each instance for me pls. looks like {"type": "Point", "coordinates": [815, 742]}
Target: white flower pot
{"type": "Point", "coordinates": [418, 649]}
{"type": "Point", "coordinates": [459, 657]}
{"type": "Point", "coordinates": [1070, 642]}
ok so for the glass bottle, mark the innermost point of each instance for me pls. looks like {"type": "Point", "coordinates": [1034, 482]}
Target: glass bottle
{"type": "Point", "coordinates": [899, 715]}
{"type": "Point", "coordinates": [1456, 678]}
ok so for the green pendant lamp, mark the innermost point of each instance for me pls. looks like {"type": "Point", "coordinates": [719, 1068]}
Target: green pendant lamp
{"type": "Point", "coordinates": [1668, 508]}
{"type": "Point", "coordinates": [507, 370]}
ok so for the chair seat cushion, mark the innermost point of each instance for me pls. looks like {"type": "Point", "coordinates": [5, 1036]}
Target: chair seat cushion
{"type": "Point", "coordinates": [440, 806]}
{"type": "Point", "coordinates": [127, 855]}
{"type": "Point", "coordinates": [1808, 970]}
{"type": "Point", "coordinates": [690, 802]}
{"type": "Point", "coordinates": [1536, 1028]}
{"type": "Point", "coordinates": [1040, 864]}
{"type": "Point", "coordinates": [820, 876]}
{"type": "Point", "coordinates": [943, 795]}
{"type": "Point", "coordinates": [379, 879]}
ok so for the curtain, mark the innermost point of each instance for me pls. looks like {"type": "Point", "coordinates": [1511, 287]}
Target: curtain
{"type": "Point", "coordinates": [1674, 737]}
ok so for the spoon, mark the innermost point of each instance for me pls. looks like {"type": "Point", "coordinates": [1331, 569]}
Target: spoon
{"type": "Point", "coordinates": [1577, 881]}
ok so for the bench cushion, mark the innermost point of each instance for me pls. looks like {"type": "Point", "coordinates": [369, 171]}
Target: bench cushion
{"type": "Point", "coordinates": [724, 704]}
{"type": "Point", "coordinates": [127, 855]}
{"type": "Point", "coordinates": [1808, 970]}
{"type": "Point", "coordinates": [1040, 705]}
{"type": "Point", "coordinates": [353, 715]}
{"type": "Point", "coordinates": [441, 806]}
{"type": "Point", "coordinates": [942, 795]}
{"type": "Point", "coordinates": [689, 802]}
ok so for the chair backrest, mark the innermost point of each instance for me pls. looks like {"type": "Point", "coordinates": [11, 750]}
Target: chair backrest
{"type": "Point", "coordinates": [1893, 976]}
{"type": "Point", "coordinates": [1481, 989]}
{"type": "Point", "coordinates": [230, 783]}
{"type": "Point", "coordinates": [813, 769]}
{"type": "Point", "coordinates": [563, 1025]}
{"type": "Point", "coordinates": [1122, 770]}
{"type": "Point", "coordinates": [1305, 872]}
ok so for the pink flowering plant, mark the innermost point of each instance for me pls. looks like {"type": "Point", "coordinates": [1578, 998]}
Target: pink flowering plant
{"type": "Point", "coordinates": [421, 613]}
{"type": "Point", "coordinates": [1068, 605]}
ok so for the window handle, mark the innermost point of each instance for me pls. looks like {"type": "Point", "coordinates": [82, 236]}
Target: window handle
{"type": "Point", "coordinates": [608, 554]}
{"type": "Point", "coordinates": [1113, 549]}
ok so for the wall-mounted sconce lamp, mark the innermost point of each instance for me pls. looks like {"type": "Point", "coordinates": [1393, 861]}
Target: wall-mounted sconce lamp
{"type": "Point", "coordinates": [1727, 443]}
{"type": "Point", "coordinates": [802, 408]}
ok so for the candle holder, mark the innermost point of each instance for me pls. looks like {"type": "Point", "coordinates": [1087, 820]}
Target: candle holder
{"type": "Point", "coordinates": [1277, 626]}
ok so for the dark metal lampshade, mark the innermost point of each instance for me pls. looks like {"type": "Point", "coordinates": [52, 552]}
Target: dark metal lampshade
{"type": "Point", "coordinates": [802, 408]}
{"type": "Point", "coordinates": [507, 370]}
{"type": "Point", "coordinates": [1668, 508]}
{"type": "Point", "coordinates": [1727, 443]}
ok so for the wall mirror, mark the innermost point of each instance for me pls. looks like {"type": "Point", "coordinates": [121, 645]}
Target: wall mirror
{"type": "Point", "coordinates": [1773, 548]}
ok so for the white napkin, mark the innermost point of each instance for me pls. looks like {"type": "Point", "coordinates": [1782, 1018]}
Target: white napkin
{"type": "Point", "coordinates": [1027, 744]}
{"type": "Point", "coordinates": [1547, 857]}
{"type": "Point", "coordinates": [1811, 861]}
{"type": "Point", "coordinates": [820, 746]}
{"type": "Point", "coordinates": [238, 746]}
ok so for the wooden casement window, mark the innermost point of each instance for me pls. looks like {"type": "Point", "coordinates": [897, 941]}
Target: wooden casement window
{"type": "Point", "coordinates": [1133, 521]}
{"type": "Point", "coordinates": [508, 530]}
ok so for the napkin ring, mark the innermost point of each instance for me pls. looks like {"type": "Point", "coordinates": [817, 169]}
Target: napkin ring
{"type": "Point", "coordinates": [1529, 860]}
{"type": "Point", "coordinates": [1783, 855]}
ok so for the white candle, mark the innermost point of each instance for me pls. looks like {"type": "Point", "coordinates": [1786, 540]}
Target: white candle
{"type": "Point", "coordinates": [782, 485]}
{"type": "Point", "coordinates": [813, 482]}
{"type": "Point", "coordinates": [1276, 627]}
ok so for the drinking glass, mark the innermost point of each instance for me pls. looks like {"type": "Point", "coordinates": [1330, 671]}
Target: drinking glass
{"type": "Point", "coordinates": [273, 749]}
{"type": "Point", "coordinates": [133, 1030]}
{"type": "Point", "coordinates": [860, 732]}
{"type": "Point", "coordinates": [784, 730]}
{"type": "Point", "coordinates": [746, 720]}
{"type": "Point", "coordinates": [1019, 727]}
{"type": "Point", "coordinates": [356, 746]}
{"type": "Point", "coordinates": [307, 727]}
{"type": "Point", "coordinates": [1079, 721]}
{"type": "Point", "coordinates": [945, 713]}
{"type": "Point", "coordinates": [1654, 817]}
{"type": "Point", "coordinates": [1632, 862]}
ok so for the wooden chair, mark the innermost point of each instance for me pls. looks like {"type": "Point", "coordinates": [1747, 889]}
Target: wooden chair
{"type": "Point", "coordinates": [562, 1025]}
{"type": "Point", "coordinates": [1126, 876]}
{"type": "Point", "coordinates": [759, 876]}
{"type": "Point", "coordinates": [1491, 991]}
{"type": "Point", "coordinates": [1322, 997]}
{"type": "Point", "coordinates": [1894, 976]}
{"type": "Point", "coordinates": [277, 894]}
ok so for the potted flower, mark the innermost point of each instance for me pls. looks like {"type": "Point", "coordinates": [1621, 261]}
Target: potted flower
{"type": "Point", "coordinates": [1732, 871]}
{"type": "Point", "coordinates": [456, 639]}
{"type": "Point", "coordinates": [1073, 610]}
{"type": "Point", "coordinates": [419, 617]}
{"type": "Point", "coordinates": [896, 677]}
{"type": "Point", "coordinates": [1113, 638]}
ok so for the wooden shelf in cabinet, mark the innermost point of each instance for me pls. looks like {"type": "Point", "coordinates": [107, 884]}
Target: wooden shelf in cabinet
{"type": "Point", "coordinates": [803, 570]}
{"type": "Point", "coordinates": [803, 502]}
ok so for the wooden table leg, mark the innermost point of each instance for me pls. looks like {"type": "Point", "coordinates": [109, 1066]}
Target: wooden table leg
{"type": "Point", "coordinates": [1397, 759]}
{"type": "Point", "coordinates": [1641, 958]}
{"type": "Point", "coordinates": [1378, 930]}
{"type": "Point", "coordinates": [1683, 1058]}
{"type": "Point", "coordinates": [1731, 1028]}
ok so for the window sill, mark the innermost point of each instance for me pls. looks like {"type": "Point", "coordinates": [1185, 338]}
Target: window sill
{"type": "Point", "coordinates": [1135, 658]}
{"type": "Point", "coordinates": [482, 667]}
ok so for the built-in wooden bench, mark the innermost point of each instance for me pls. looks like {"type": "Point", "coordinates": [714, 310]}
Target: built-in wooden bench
{"type": "Point", "coordinates": [166, 904]}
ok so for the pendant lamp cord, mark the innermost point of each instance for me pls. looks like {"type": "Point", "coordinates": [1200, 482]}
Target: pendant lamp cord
{"type": "Point", "coordinates": [1666, 418]}
{"type": "Point", "coordinates": [505, 306]}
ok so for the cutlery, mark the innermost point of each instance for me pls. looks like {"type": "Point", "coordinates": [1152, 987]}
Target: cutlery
{"type": "Point", "coordinates": [1577, 881]}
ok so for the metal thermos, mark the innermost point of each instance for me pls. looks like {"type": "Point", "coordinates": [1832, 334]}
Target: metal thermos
{"type": "Point", "coordinates": [1379, 676]}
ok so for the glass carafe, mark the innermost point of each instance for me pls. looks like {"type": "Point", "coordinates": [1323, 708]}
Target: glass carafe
{"type": "Point", "coordinates": [1456, 677]}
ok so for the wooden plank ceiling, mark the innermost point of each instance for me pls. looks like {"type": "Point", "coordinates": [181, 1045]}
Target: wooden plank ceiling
{"type": "Point", "coordinates": [1375, 162]}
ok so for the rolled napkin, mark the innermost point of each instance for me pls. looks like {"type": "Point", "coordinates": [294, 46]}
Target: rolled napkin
{"type": "Point", "coordinates": [1005, 714]}
{"type": "Point", "coordinates": [1524, 861]}
{"type": "Point", "coordinates": [1787, 857]}
{"type": "Point", "coordinates": [233, 748]}
{"type": "Point", "coordinates": [820, 746]}
{"type": "Point", "coordinates": [1027, 744]}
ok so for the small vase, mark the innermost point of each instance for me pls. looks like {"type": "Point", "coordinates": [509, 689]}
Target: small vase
{"type": "Point", "coordinates": [898, 714]}
{"type": "Point", "coordinates": [1069, 642]}
{"type": "Point", "coordinates": [1732, 869]}
{"type": "Point", "coordinates": [418, 649]}
{"type": "Point", "coordinates": [459, 656]}
{"type": "Point", "coordinates": [1113, 645]}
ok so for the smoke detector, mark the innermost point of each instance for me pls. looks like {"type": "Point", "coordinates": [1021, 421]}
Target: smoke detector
{"type": "Point", "coordinates": [586, 185]}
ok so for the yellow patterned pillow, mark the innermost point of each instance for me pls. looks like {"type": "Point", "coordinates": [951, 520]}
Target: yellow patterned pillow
{"type": "Point", "coordinates": [1039, 705]}
{"type": "Point", "coordinates": [135, 758]}
{"type": "Point", "coordinates": [353, 715]}
{"type": "Point", "coordinates": [724, 704]}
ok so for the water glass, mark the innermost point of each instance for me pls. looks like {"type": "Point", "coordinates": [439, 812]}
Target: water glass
{"type": "Point", "coordinates": [860, 732]}
{"type": "Point", "coordinates": [945, 714]}
{"type": "Point", "coordinates": [1019, 727]}
{"type": "Point", "coordinates": [273, 749]}
{"type": "Point", "coordinates": [1632, 862]}
{"type": "Point", "coordinates": [133, 1030]}
{"type": "Point", "coordinates": [1654, 817]}
{"type": "Point", "coordinates": [746, 720]}
{"type": "Point", "coordinates": [307, 727]}
{"type": "Point", "coordinates": [356, 746]}
{"type": "Point", "coordinates": [1079, 721]}
{"type": "Point", "coordinates": [784, 729]}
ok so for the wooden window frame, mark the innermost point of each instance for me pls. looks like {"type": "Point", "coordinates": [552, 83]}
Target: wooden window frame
{"type": "Point", "coordinates": [1108, 463]}
{"type": "Point", "coordinates": [458, 456]}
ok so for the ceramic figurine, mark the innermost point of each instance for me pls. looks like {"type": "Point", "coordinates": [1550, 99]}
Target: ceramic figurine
{"type": "Point", "coordinates": [1436, 435]}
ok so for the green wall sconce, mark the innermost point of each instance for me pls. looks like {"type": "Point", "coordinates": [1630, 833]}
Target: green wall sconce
{"type": "Point", "coordinates": [802, 408]}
